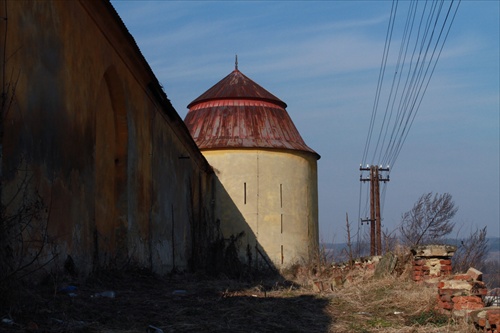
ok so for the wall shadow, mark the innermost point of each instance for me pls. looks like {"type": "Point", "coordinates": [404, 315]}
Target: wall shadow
{"type": "Point", "coordinates": [236, 250]}
{"type": "Point", "coordinates": [148, 303]}
{"type": "Point", "coordinates": [227, 305]}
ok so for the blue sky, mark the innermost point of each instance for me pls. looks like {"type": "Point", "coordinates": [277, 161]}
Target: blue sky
{"type": "Point", "coordinates": [323, 58]}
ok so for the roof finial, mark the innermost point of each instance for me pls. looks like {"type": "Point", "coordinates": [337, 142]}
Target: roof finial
{"type": "Point", "coordinates": [236, 63]}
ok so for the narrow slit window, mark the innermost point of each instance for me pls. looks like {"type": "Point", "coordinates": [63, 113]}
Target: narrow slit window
{"type": "Point", "coordinates": [281, 223]}
{"type": "Point", "coordinates": [281, 195]}
{"type": "Point", "coordinates": [245, 193]}
{"type": "Point", "coordinates": [282, 257]}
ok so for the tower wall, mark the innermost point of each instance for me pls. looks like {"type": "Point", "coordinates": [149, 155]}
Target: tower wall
{"type": "Point", "coordinates": [272, 196]}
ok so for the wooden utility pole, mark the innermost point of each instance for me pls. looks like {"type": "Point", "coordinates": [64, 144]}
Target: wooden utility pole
{"type": "Point", "coordinates": [375, 217]}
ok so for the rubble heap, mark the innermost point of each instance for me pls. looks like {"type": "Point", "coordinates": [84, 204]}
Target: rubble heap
{"type": "Point", "coordinates": [462, 292]}
{"type": "Point", "coordinates": [487, 319]}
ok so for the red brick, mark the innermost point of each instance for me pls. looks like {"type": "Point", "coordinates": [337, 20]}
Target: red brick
{"type": "Point", "coordinates": [440, 284]}
{"type": "Point", "coordinates": [444, 305]}
{"type": "Point", "coordinates": [417, 268]}
{"type": "Point", "coordinates": [493, 317]}
{"type": "Point", "coordinates": [445, 298]}
{"type": "Point", "coordinates": [464, 277]}
{"type": "Point", "coordinates": [417, 278]}
{"type": "Point", "coordinates": [445, 262]}
{"type": "Point", "coordinates": [445, 268]}
{"type": "Point", "coordinates": [467, 299]}
{"type": "Point", "coordinates": [481, 322]}
{"type": "Point", "coordinates": [447, 306]}
{"type": "Point", "coordinates": [467, 306]}
{"type": "Point", "coordinates": [419, 262]}
{"type": "Point", "coordinates": [467, 302]}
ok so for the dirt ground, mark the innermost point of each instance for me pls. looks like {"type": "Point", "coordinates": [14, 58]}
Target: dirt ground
{"type": "Point", "coordinates": [179, 304]}
{"type": "Point", "coordinates": [187, 303]}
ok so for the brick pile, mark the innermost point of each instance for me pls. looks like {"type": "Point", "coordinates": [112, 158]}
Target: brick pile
{"type": "Point", "coordinates": [487, 319]}
{"type": "Point", "coordinates": [432, 261]}
{"type": "Point", "coordinates": [424, 269]}
{"type": "Point", "coordinates": [338, 275]}
{"type": "Point", "coordinates": [462, 293]}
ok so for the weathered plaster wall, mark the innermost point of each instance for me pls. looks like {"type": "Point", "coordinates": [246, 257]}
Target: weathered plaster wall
{"type": "Point", "coordinates": [92, 131]}
{"type": "Point", "coordinates": [271, 195]}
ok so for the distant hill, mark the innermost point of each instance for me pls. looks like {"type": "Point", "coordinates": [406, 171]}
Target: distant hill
{"type": "Point", "coordinates": [493, 243]}
{"type": "Point", "coordinates": [337, 250]}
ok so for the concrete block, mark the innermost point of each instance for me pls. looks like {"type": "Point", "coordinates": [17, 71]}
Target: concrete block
{"type": "Point", "coordinates": [457, 285]}
{"type": "Point", "coordinates": [433, 251]}
{"type": "Point", "coordinates": [475, 274]}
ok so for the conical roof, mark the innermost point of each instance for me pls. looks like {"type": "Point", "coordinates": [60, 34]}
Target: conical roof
{"type": "Point", "coordinates": [238, 113]}
{"type": "Point", "coordinates": [237, 85]}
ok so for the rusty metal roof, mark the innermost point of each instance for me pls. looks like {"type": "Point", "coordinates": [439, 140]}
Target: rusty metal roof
{"type": "Point", "coordinates": [235, 86]}
{"type": "Point", "coordinates": [238, 113]}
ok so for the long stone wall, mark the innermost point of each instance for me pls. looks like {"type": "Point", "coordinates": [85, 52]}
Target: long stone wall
{"type": "Point", "coordinates": [91, 134]}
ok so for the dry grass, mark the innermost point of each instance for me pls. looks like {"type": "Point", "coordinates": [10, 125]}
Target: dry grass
{"type": "Point", "coordinates": [366, 305]}
{"type": "Point", "coordinates": [389, 305]}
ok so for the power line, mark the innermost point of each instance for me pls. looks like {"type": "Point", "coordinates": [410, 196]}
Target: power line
{"type": "Point", "coordinates": [423, 37]}
{"type": "Point", "coordinates": [396, 121]}
{"type": "Point", "coordinates": [432, 71]}
{"type": "Point", "coordinates": [387, 44]}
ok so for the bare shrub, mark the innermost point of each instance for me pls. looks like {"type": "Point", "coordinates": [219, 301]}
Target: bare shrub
{"type": "Point", "coordinates": [24, 238]}
{"type": "Point", "coordinates": [491, 273]}
{"type": "Point", "coordinates": [24, 216]}
{"type": "Point", "coordinates": [471, 251]}
{"type": "Point", "coordinates": [429, 220]}
{"type": "Point", "coordinates": [389, 240]}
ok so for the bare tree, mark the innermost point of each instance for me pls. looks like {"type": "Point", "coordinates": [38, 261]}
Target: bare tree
{"type": "Point", "coordinates": [471, 251]}
{"type": "Point", "coordinates": [429, 220]}
{"type": "Point", "coordinates": [350, 255]}
{"type": "Point", "coordinates": [390, 240]}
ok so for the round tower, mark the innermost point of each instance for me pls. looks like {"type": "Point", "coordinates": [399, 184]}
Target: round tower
{"type": "Point", "coordinates": [267, 191]}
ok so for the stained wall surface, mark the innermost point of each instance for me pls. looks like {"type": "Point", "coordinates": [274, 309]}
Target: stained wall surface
{"type": "Point", "coordinates": [93, 134]}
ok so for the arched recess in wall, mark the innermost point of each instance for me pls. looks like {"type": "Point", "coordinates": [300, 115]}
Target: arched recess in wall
{"type": "Point", "coordinates": [111, 155]}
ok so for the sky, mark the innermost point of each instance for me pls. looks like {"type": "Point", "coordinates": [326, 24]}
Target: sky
{"type": "Point", "coordinates": [323, 59]}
